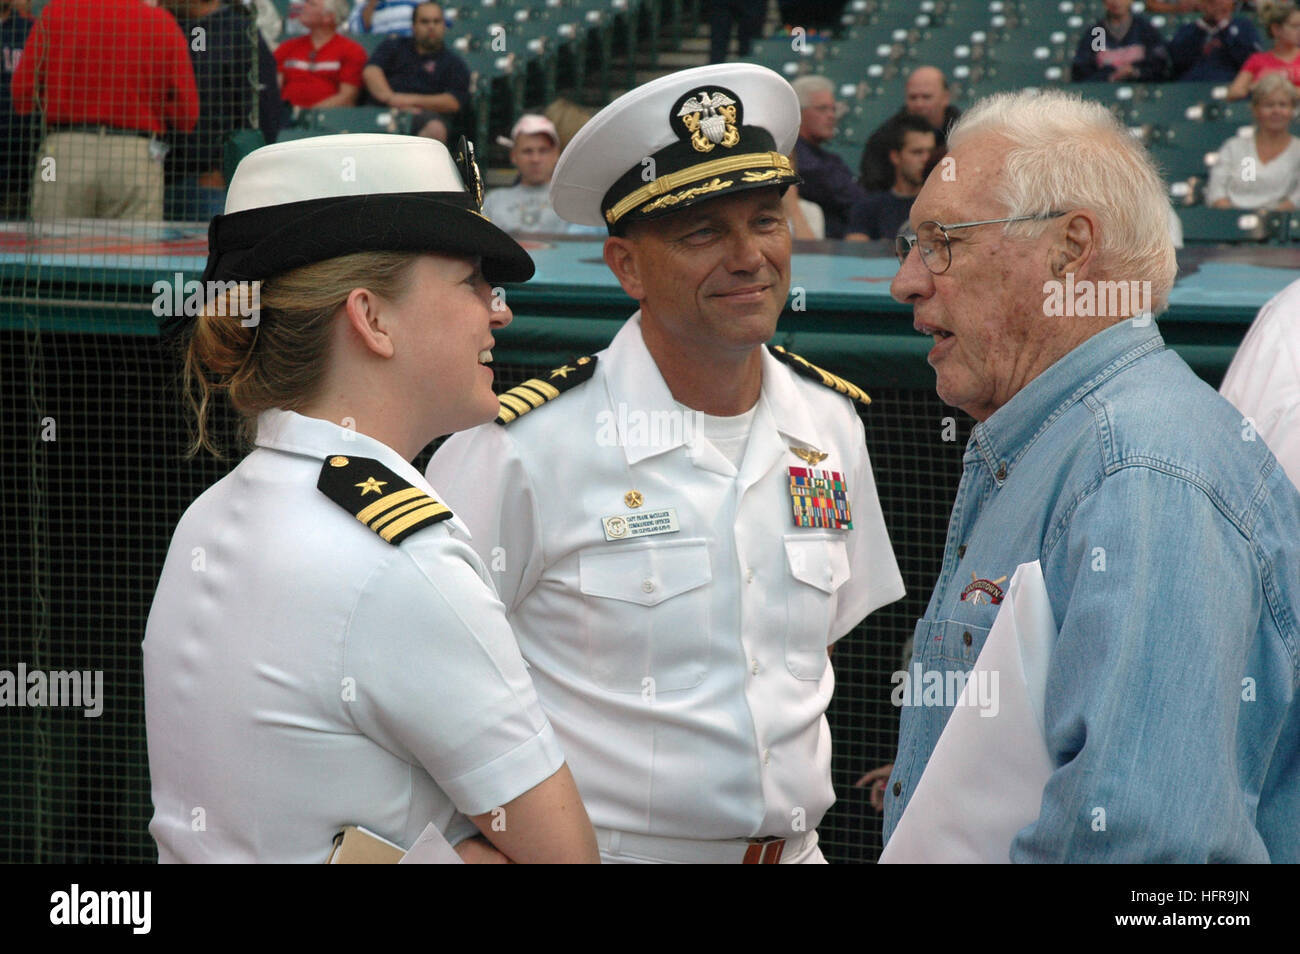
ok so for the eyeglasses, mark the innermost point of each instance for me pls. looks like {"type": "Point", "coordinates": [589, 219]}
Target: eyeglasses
{"type": "Point", "coordinates": [932, 239]}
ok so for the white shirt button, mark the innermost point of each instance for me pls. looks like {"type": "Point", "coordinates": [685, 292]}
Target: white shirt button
{"type": "Point", "coordinates": [753, 666]}
{"type": "Point", "coordinates": [648, 586]}
{"type": "Point", "coordinates": [749, 576]}
{"type": "Point", "coordinates": [767, 756]}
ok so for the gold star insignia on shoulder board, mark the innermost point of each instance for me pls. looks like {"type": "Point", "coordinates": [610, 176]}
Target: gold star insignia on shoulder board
{"type": "Point", "coordinates": [535, 392]}
{"type": "Point", "coordinates": [371, 485]}
{"type": "Point", "coordinates": [633, 499]}
{"type": "Point", "coordinates": [399, 510]}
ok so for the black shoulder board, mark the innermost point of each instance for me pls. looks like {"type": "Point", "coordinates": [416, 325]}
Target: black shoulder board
{"type": "Point", "coordinates": [377, 497]}
{"type": "Point", "coordinates": [535, 392]}
{"type": "Point", "coordinates": [820, 375]}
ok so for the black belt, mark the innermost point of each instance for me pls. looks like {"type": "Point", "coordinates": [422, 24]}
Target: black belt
{"type": "Point", "coordinates": [95, 128]}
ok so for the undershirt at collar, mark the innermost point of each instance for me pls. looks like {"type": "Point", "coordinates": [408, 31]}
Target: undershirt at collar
{"type": "Point", "coordinates": [730, 435]}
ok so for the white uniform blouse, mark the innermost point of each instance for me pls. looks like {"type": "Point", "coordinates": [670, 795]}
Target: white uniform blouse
{"type": "Point", "coordinates": [685, 672]}
{"type": "Point", "coordinates": [302, 674]}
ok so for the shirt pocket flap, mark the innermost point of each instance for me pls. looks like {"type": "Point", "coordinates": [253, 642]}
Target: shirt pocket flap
{"type": "Point", "coordinates": [646, 575]}
{"type": "Point", "coordinates": [818, 561]}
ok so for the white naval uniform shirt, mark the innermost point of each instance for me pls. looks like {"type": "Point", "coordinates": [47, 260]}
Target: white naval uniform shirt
{"type": "Point", "coordinates": [302, 674]}
{"type": "Point", "coordinates": [1263, 381]}
{"type": "Point", "coordinates": [685, 673]}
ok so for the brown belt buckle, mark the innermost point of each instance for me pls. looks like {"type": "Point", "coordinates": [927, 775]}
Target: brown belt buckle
{"type": "Point", "coordinates": [764, 851]}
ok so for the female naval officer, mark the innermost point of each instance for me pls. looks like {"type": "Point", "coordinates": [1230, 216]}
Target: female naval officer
{"type": "Point", "coordinates": [325, 649]}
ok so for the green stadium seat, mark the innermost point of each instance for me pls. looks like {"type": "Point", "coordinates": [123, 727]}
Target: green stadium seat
{"type": "Point", "coordinates": [1202, 225]}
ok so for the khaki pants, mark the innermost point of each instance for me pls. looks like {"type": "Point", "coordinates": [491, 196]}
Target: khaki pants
{"type": "Point", "coordinates": [96, 175]}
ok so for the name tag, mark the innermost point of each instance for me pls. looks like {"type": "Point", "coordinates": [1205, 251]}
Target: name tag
{"type": "Point", "coordinates": [648, 524]}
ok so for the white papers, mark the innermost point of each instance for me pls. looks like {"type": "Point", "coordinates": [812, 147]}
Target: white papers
{"type": "Point", "coordinates": [984, 781]}
{"type": "Point", "coordinates": [431, 849]}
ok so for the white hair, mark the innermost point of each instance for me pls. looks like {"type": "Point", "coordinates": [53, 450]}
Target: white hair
{"type": "Point", "coordinates": [341, 9]}
{"type": "Point", "coordinates": [806, 87]}
{"type": "Point", "coordinates": [1065, 153]}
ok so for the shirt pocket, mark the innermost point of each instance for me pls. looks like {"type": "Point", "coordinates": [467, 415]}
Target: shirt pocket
{"type": "Point", "coordinates": [819, 566]}
{"type": "Point", "coordinates": [646, 623]}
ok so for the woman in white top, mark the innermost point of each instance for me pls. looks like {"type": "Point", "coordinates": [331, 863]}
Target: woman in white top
{"type": "Point", "coordinates": [1261, 171]}
{"type": "Point", "coordinates": [325, 649]}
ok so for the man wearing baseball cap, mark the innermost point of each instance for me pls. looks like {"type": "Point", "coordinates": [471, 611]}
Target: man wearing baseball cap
{"type": "Point", "coordinates": [681, 525]}
{"type": "Point", "coordinates": [526, 206]}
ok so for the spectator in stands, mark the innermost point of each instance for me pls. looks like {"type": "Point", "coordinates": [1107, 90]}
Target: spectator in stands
{"type": "Point", "coordinates": [1263, 381]}
{"type": "Point", "coordinates": [224, 63]}
{"type": "Point", "coordinates": [1261, 170]}
{"type": "Point", "coordinates": [269, 22]}
{"type": "Point", "coordinates": [1101, 455]}
{"type": "Point", "coordinates": [1281, 22]}
{"type": "Point", "coordinates": [1121, 47]}
{"type": "Point", "coordinates": [323, 69]}
{"type": "Point", "coordinates": [1215, 47]}
{"type": "Point", "coordinates": [111, 77]}
{"type": "Point", "coordinates": [420, 74]}
{"type": "Point", "coordinates": [526, 205]}
{"type": "Point", "coordinates": [15, 131]}
{"type": "Point", "coordinates": [393, 17]}
{"type": "Point", "coordinates": [827, 180]}
{"type": "Point", "coordinates": [879, 215]}
{"type": "Point", "coordinates": [747, 15]}
{"type": "Point", "coordinates": [925, 94]}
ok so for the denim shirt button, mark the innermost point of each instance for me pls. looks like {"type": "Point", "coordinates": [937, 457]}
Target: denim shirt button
{"type": "Point", "coordinates": [898, 789]}
{"type": "Point", "coordinates": [966, 638]}
{"type": "Point", "coordinates": [1002, 471]}
{"type": "Point", "coordinates": [961, 551]}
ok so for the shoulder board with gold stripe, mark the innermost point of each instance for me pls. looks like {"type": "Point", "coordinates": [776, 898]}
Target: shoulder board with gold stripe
{"type": "Point", "coordinates": [535, 392]}
{"type": "Point", "coordinates": [376, 496]}
{"type": "Point", "coordinates": [820, 375]}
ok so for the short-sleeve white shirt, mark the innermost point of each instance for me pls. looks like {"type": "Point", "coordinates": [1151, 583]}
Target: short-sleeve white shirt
{"type": "Point", "coordinates": [686, 672]}
{"type": "Point", "coordinates": [302, 674]}
{"type": "Point", "coordinates": [1263, 381]}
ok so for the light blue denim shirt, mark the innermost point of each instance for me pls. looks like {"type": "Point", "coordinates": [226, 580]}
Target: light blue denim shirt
{"type": "Point", "coordinates": [1170, 545]}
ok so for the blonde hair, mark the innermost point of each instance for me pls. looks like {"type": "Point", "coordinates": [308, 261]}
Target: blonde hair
{"type": "Point", "coordinates": [1065, 153]}
{"type": "Point", "coordinates": [1271, 83]}
{"type": "Point", "coordinates": [279, 359]}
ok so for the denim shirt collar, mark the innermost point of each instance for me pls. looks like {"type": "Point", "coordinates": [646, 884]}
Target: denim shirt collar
{"type": "Point", "coordinates": [1002, 439]}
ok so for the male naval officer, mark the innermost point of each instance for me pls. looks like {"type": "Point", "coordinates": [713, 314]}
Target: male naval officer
{"type": "Point", "coordinates": [682, 524]}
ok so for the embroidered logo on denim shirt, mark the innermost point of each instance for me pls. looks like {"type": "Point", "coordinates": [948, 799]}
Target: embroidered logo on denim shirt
{"type": "Point", "coordinates": [983, 591]}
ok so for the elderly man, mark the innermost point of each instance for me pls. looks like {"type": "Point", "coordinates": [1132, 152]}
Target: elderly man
{"type": "Point", "coordinates": [925, 94]}
{"type": "Point", "coordinates": [420, 74]}
{"type": "Point", "coordinates": [322, 69]}
{"type": "Point", "coordinates": [682, 524]}
{"type": "Point", "coordinates": [1167, 540]}
{"type": "Point", "coordinates": [827, 180]}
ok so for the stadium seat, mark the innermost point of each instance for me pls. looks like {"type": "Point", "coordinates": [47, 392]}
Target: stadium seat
{"type": "Point", "coordinates": [1202, 225]}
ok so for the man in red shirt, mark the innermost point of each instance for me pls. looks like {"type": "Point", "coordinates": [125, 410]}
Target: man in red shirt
{"type": "Point", "coordinates": [110, 77]}
{"type": "Point", "coordinates": [321, 69]}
